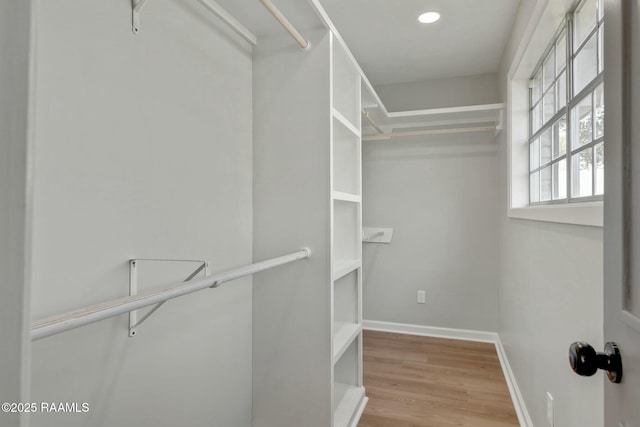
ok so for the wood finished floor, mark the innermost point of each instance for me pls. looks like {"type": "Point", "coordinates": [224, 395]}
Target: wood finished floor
{"type": "Point", "coordinates": [415, 381]}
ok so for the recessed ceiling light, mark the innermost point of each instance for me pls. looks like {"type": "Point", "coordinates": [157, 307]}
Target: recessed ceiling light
{"type": "Point", "coordinates": [429, 17]}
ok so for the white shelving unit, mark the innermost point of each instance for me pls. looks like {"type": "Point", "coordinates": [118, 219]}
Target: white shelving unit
{"type": "Point", "coordinates": [348, 396]}
{"type": "Point", "coordinates": [348, 393]}
{"type": "Point", "coordinates": [467, 118]}
{"type": "Point", "coordinates": [346, 320]}
{"type": "Point", "coordinates": [307, 319]}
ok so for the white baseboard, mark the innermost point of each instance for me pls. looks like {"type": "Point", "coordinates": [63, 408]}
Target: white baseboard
{"type": "Point", "coordinates": [468, 335]}
{"type": "Point", "coordinates": [358, 414]}
{"type": "Point", "coordinates": [518, 401]}
{"type": "Point", "coordinates": [430, 331]}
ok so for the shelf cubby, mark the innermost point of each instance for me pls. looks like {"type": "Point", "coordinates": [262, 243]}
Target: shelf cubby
{"type": "Point", "coordinates": [346, 85]}
{"type": "Point", "coordinates": [346, 321]}
{"type": "Point", "coordinates": [348, 393]}
{"type": "Point", "coordinates": [346, 233]}
{"type": "Point", "coordinates": [346, 159]}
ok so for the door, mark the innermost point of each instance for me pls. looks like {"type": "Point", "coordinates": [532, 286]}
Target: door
{"type": "Point", "coordinates": [622, 207]}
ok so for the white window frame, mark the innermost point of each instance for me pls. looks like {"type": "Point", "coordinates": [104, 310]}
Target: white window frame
{"type": "Point", "coordinates": [543, 23]}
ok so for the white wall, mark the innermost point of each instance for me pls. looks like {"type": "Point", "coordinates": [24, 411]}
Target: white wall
{"type": "Point", "coordinates": [291, 312]}
{"type": "Point", "coordinates": [550, 295]}
{"type": "Point", "coordinates": [15, 18]}
{"type": "Point", "coordinates": [440, 196]}
{"type": "Point", "coordinates": [143, 150]}
{"type": "Point", "coordinates": [439, 193]}
{"type": "Point", "coordinates": [440, 93]}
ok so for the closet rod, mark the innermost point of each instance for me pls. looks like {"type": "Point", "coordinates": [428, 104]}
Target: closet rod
{"type": "Point", "coordinates": [381, 136]}
{"type": "Point", "coordinates": [74, 319]}
{"type": "Point", "coordinates": [232, 22]}
{"type": "Point", "coordinates": [213, 7]}
{"type": "Point", "coordinates": [373, 236]}
{"type": "Point", "coordinates": [285, 23]}
{"type": "Point", "coordinates": [372, 122]}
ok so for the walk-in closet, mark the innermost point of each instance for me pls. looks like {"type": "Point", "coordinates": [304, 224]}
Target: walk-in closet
{"type": "Point", "coordinates": [319, 213]}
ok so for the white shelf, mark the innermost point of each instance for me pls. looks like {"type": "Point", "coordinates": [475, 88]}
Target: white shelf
{"type": "Point", "coordinates": [346, 197]}
{"type": "Point", "coordinates": [350, 398]}
{"type": "Point", "coordinates": [345, 122]}
{"type": "Point", "coordinates": [475, 113]}
{"type": "Point", "coordinates": [481, 117]}
{"type": "Point", "coordinates": [342, 267]}
{"type": "Point", "coordinates": [343, 335]}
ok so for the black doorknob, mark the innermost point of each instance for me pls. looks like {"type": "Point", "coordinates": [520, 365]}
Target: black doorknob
{"type": "Point", "coordinates": [586, 361]}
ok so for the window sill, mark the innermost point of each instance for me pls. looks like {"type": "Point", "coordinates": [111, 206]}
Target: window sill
{"type": "Point", "coordinates": [589, 214]}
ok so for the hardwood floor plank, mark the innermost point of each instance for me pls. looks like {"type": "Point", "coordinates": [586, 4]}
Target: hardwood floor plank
{"type": "Point", "coordinates": [415, 381]}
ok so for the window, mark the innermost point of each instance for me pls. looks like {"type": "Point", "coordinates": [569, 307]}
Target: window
{"type": "Point", "coordinates": [566, 115]}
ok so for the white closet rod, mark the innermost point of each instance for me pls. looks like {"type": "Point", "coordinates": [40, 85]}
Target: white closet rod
{"type": "Point", "coordinates": [232, 22]}
{"type": "Point", "coordinates": [285, 23]}
{"type": "Point", "coordinates": [381, 136]}
{"type": "Point", "coordinates": [373, 236]}
{"type": "Point", "coordinates": [213, 7]}
{"type": "Point", "coordinates": [84, 316]}
{"type": "Point", "coordinates": [372, 122]}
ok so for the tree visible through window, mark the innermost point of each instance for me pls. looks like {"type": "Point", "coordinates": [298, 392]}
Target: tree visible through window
{"type": "Point", "coordinates": [566, 119]}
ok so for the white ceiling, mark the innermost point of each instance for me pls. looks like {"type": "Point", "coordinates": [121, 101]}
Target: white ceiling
{"type": "Point", "coordinates": [389, 42]}
{"type": "Point", "coordinates": [393, 47]}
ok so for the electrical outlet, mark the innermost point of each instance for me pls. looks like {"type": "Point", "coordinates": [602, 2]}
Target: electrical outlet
{"type": "Point", "coordinates": [422, 296]}
{"type": "Point", "coordinates": [550, 409]}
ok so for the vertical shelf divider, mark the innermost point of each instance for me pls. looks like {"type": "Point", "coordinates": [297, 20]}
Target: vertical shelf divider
{"type": "Point", "coordinates": [348, 394]}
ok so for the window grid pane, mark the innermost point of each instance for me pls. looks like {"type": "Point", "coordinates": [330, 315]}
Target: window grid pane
{"type": "Point", "coordinates": [549, 70]}
{"type": "Point", "coordinates": [534, 154]}
{"type": "Point", "coordinates": [537, 88]}
{"type": "Point", "coordinates": [560, 180]}
{"type": "Point", "coordinates": [562, 158]}
{"type": "Point", "coordinates": [534, 187]}
{"type": "Point", "coordinates": [582, 123]}
{"type": "Point", "coordinates": [561, 86]}
{"type": "Point", "coordinates": [582, 173]}
{"type": "Point", "coordinates": [536, 118]}
{"type": "Point", "coordinates": [549, 105]}
{"type": "Point", "coordinates": [545, 147]}
{"type": "Point", "coordinates": [560, 138]}
{"type": "Point", "coordinates": [585, 20]}
{"type": "Point", "coordinates": [598, 111]}
{"type": "Point", "coordinates": [561, 53]}
{"type": "Point", "coordinates": [585, 66]}
{"type": "Point", "coordinates": [601, 48]}
{"type": "Point", "coordinates": [599, 169]}
{"type": "Point", "coordinates": [545, 184]}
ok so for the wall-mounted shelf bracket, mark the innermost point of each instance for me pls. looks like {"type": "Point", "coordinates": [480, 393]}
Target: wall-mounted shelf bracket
{"type": "Point", "coordinates": [134, 265]}
{"type": "Point", "coordinates": [377, 235]}
{"type": "Point", "coordinates": [136, 9]}
{"type": "Point", "coordinates": [211, 6]}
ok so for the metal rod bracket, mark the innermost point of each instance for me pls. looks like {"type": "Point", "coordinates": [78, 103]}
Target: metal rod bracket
{"type": "Point", "coordinates": [136, 8]}
{"type": "Point", "coordinates": [133, 288]}
{"type": "Point", "coordinates": [63, 322]}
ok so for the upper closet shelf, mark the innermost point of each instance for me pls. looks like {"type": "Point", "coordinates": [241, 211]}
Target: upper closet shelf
{"type": "Point", "coordinates": [378, 124]}
{"type": "Point", "coordinates": [211, 6]}
{"type": "Point", "coordinates": [215, 8]}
